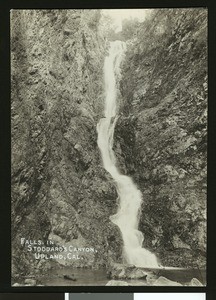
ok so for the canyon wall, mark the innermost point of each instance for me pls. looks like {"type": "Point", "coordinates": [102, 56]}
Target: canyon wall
{"type": "Point", "coordinates": [161, 134]}
{"type": "Point", "coordinates": [60, 190]}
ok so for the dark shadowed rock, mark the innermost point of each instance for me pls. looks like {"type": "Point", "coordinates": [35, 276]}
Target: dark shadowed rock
{"type": "Point", "coordinates": [69, 277]}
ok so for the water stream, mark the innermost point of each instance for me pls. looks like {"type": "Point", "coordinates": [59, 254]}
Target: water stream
{"type": "Point", "coordinates": [130, 198]}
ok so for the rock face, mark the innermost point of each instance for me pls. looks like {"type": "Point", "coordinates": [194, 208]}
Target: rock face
{"type": "Point", "coordinates": [59, 188]}
{"type": "Point", "coordinates": [160, 137]}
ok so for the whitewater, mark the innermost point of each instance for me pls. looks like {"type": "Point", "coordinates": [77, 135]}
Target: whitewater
{"type": "Point", "coordinates": [130, 198]}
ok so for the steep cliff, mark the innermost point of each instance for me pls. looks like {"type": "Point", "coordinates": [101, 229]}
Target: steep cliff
{"type": "Point", "coordinates": [160, 136]}
{"type": "Point", "coordinates": [59, 191]}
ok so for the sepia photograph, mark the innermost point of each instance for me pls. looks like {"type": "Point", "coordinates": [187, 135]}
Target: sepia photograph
{"type": "Point", "coordinates": [109, 147]}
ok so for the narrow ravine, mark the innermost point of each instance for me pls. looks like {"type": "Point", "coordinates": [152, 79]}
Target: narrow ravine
{"type": "Point", "coordinates": [153, 101]}
{"type": "Point", "coordinates": [130, 198]}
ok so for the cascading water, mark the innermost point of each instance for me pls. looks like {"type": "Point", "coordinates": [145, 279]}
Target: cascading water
{"type": "Point", "coordinates": [130, 198]}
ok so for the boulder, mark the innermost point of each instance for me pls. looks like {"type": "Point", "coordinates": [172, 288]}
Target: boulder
{"type": "Point", "coordinates": [69, 277]}
{"type": "Point", "coordinates": [137, 274]}
{"type": "Point", "coordinates": [151, 278]}
{"type": "Point", "coordinates": [195, 282]}
{"type": "Point", "coordinates": [17, 284]}
{"type": "Point", "coordinates": [117, 283]}
{"type": "Point", "coordinates": [162, 281]}
{"type": "Point", "coordinates": [30, 281]}
{"type": "Point", "coordinates": [122, 271]}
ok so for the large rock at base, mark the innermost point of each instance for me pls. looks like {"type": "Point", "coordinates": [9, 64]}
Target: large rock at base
{"type": "Point", "coordinates": [30, 281]}
{"type": "Point", "coordinates": [121, 271]}
{"type": "Point", "coordinates": [138, 274]}
{"type": "Point", "coordinates": [151, 278]}
{"type": "Point", "coordinates": [195, 282]}
{"type": "Point", "coordinates": [116, 270]}
{"type": "Point", "coordinates": [117, 283]}
{"type": "Point", "coordinates": [162, 281]}
{"type": "Point", "coordinates": [16, 284]}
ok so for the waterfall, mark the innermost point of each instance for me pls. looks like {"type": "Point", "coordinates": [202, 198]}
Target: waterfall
{"type": "Point", "coordinates": [130, 198]}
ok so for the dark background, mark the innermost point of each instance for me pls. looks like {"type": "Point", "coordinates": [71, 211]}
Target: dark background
{"type": "Point", "coordinates": [5, 155]}
{"type": "Point", "coordinates": [31, 296]}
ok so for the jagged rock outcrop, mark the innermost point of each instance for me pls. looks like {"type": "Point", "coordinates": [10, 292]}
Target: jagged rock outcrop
{"type": "Point", "coordinates": [59, 190]}
{"type": "Point", "coordinates": [160, 136]}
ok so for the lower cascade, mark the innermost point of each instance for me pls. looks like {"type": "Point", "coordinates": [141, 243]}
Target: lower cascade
{"type": "Point", "coordinates": [130, 198]}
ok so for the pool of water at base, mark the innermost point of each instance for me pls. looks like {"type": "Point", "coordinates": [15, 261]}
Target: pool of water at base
{"type": "Point", "coordinates": [87, 277]}
{"type": "Point", "coordinates": [98, 277]}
